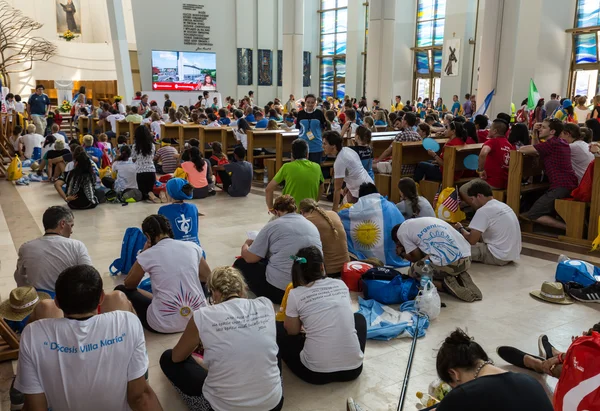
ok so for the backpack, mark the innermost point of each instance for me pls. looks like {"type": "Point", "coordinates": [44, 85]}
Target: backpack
{"type": "Point", "coordinates": [133, 242]}
{"type": "Point", "coordinates": [388, 286]}
{"type": "Point", "coordinates": [579, 385]}
{"type": "Point", "coordinates": [576, 271]}
{"type": "Point", "coordinates": [220, 162]}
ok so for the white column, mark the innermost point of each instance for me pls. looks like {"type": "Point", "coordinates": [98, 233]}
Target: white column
{"type": "Point", "coordinates": [120, 46]}
{"type": "Point", "coordinates": [355, 46]}
{"type": "Point", "coordinates": [404, 39]}
{"type": "Point", "coordinates": [293, 45]}
{"type": "Point", "coordinates": [247, 38]}
{"type": "Point", "coordinates": [380, 61]}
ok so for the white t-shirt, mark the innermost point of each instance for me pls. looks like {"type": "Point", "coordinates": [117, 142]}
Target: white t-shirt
{"type": "Point", "coordinates": [30, 141]}
{"type": "Point", "coordinates": [242, 138]}
{"type": "Point", "coordinates": [113, 118]}
{"type": "Point", "coordinates": [43, 259]}
{"type": "Point", "coordinates": [581, 114]}
{"type": "Point", "coordinates": [580, 158]}
{"type": "Point", "coordinates": [326, 314]}
{"type": "Point", "coordinates": [240, 352]}
{"type": "Point", "coordinates": [121, 108]}
{"type": "Point", "coordinates": [500, 230]}
{"type": "Point", "coordinates": [59, 136]}
{"type": "Point", "coordinates": [19, 107]}
{"type": "Point", "coordinates": [434, 237]}
{"type": "Point", "coordinates": [348, 166]}
{"type": "Point", "coordinates": [155, 127]}
{"type": "Point", "coordinates": [336, 127]}
{"type": "Point", "coordinates": [82, 365]}
{"type": "Point", "coordinates": [176, 290]}
{"type": "Point", "coordinates": [126, 175]}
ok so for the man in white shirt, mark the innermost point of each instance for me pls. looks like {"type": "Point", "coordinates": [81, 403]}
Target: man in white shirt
{"type": "Point", "coordinates": [86, 360]}
{"type": "Point", "coordinates": [432, 244]}
{"type": "Point", "coordinates": [494, 232]}
{"type": "Point", "coordinates": [30, 141]}
{"type": "Point", "coordinates": [580, 150]}
{"type": "Point", "coordinates": [43, 259]}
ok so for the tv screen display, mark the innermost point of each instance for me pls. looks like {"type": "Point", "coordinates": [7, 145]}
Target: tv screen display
{"type": "Point", "coordinates": [184, 71]}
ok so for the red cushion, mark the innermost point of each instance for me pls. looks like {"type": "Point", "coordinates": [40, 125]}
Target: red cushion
{"type": "Point", "coordinates": [583, 192]}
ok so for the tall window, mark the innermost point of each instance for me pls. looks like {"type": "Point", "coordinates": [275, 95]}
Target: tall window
{"type": "Point", "coordinates": [431, 16]}
{"type": "Point", "coordinates": [585, 62]}
{"type": "Point", "coordinates": [334, 27]}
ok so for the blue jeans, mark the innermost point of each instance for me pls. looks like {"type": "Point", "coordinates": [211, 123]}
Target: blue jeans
{"type": "Point", "coordinates": [428, 170]}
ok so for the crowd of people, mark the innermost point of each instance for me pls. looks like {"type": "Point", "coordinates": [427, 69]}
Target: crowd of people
{"type": "Point", "coordinates": [297, 257]}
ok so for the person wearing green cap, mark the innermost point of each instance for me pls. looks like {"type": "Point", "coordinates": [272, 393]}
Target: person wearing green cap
{"type": "Point", "coordinates": [182, 216]}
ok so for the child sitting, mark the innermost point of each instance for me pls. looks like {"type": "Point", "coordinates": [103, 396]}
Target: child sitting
{"type": "Point", "coordinates": [217, 159]}
{"type": "Point", "coordinates": [272, 125]}
{"type": "Point", "coordinates": [362, 146]}
{"type": "Point", "coordinates": [223, 119]}
{"type": "Point", "coordinates": [182, 216]}
{"type": "Point", "coordinates": [13, 147]}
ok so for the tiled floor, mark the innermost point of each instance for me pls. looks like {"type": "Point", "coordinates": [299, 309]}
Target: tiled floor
{"type": "Point", "coordinates": [507, 315]}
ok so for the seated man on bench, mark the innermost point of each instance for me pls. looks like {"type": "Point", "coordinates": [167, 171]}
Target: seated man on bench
{"type": "Point", "coordinates": [555, 153]}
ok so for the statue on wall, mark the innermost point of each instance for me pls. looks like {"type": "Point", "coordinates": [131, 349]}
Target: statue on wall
{"type": "Point", "coordinates": [18, 47]}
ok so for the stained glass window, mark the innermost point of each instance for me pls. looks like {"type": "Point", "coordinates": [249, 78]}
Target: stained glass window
{"type": "Point", "coordinates": [431, 15]}
{"type": "Point", "coordinates": [584, 79]}
{"type": "Point", "coordinates": [334, 27]}
{"type": "Point", "coordinates": [586, 48]}
{"type": "Point", "coordinates": [588, 13]}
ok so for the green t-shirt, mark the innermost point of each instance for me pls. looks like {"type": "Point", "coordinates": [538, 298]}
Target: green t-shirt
{"type": "Point", "coordinates": [302, 179]}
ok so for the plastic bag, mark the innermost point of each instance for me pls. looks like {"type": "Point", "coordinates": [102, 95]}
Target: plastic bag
{"type": "Point", "coordinates": [15, 169]}
{"type": "Point", "coordinates": [428, 301]}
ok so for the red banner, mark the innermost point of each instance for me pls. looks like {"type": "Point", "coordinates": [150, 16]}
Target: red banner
{"type": "Point", "coordinates": [173, 85]}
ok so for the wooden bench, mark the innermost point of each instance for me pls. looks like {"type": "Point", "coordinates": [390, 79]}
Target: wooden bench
{"type": "Point", "coordinates": [122, 127]}
{"type": "Point", "coordinates": [261, 138]}
{"type": "Point", "coordinates": [411, 153]}
{"type": "Point", "coordinates": [228, 139]}
{"type": "Point", "coordinates": [189, 132]}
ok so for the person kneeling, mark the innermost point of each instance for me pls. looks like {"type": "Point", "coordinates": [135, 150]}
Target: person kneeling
{"type": "Point", "coordinates": [494, 232]}
{"type": "Point", "coordinates": [240, 360]}
{"type": "Point", "coordinates": [333, 345]}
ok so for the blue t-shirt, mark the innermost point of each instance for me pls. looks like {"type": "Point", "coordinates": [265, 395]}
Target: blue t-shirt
{"type": "Point", "coordinates": [311, 129]}
{"type": "Point", "coordinates": [250, 118]}
{"type": "Point", "coordinates": [95, 152]}
{"type": "Point", "coordinates": [184, 220]}
{"type": "Point", "coordinates": [455, 108]}
{"type": "Point", "coordinates": [225, 121]}
{"type": "Point", "coordinates": [262, 123]}
{"type": "Point", "coordinates": [38, 104]}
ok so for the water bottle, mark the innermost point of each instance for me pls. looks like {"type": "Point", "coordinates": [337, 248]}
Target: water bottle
{"type": "Point", "coordinates": [265, 176]}
{"type": "Point", "coordinates": [426, 274]}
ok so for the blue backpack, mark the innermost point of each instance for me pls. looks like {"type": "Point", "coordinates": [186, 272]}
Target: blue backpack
{"type": "Point", "coordinates": [133, 243]}
{"type": "Point", "coordinates": [577, 271]}
{"type": "Point", "coordinates": [387, 286]}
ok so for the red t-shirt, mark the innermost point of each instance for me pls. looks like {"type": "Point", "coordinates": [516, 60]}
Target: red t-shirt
{"type": "Point", "coordinates": [482, 136]}
{"type": "Point", "coordinates": [342, 118]}
{"type": "Point", "coordinates": [496, 163]}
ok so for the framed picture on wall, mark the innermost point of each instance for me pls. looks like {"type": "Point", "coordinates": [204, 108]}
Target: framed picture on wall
{"type": "Point", "coordinates": [279, 68]}
{"type": "Point", "coordinates": [244, 64]}
{"type": "Point", "coordinates": [68, 16]}
{"type": "Point", "coordinates": [306, 69]}
{"type": "Point", "coordinates": [265, 68]}
{"type": "Point", "coordinates": [451, 58]}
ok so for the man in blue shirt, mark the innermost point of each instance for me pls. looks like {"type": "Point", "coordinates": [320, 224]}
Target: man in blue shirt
{"type": "Point", "coordinates": [311, 123]}
{"type": "Point", "coordinates": [456, 106]}
{"type": "Point", "coordinates": [467, 108]}
{"type": "Point", "coordinates": [38, 107]}
{"type": "Point", "coordinates": [261, 121]}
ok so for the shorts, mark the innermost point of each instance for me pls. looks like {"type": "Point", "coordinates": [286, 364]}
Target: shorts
{"type": "Point", "coordinates": [465, 187]}
{"type": "Point", "coordinates": [545, 204]}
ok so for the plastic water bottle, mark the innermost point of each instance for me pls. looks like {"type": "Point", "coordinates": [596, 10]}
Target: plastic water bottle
{"type": "Point", "coordinates": [426, 274]}
{"type": "Point", "coordinates": [265, 176]}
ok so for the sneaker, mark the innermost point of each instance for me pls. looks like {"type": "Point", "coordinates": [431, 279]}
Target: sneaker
{"type": "Point", "coordinates": [545, 347]}
{"type": "Point", "coordinates": [590, 294]}
{"type": "Point", "coordinates": [17, 399]}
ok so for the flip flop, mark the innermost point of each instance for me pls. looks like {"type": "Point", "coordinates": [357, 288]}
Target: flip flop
{"type": "Point", "coordinates": [515, 356]}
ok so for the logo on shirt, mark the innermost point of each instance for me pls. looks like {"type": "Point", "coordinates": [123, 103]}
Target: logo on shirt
{"type": "Point", "coordinates": [440, 244]}
{"type": "Point", "coordinates": [183, 303]}
{"type": "Point", "coordinates": [184, 224]}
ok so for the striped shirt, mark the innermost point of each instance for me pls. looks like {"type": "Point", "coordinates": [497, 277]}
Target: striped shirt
{"type": "Point", "coordinates": [167, 158]}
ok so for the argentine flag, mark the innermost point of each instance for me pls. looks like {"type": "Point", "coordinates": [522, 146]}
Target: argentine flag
{"type": "Point", "coordinates": [368, 225]}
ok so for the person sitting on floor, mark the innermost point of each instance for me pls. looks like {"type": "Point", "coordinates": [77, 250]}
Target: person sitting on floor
{"type": "Point", "coordinates": [265, 262]}
{"type": "Point", "coordinates": [30, 144]}
{"type": "Point", "coordinates": [40, 261]}
{"type": "Point", "coordinates": [88, 361]}
{"type": "Point", "coordinates": [431, 241]}
{"type": "Point", "coordinates": [93, 152]}
{"type": "Point", "coordinates": [249, 348]}
{"type": "Point", "coordinates": [347, 169]}
{"type": "Point", "coordinates": [494, 232]}
{"type": "Point", "coordinates": [303, 178]}
{"type": "Point", "coordinates": [167, 156]}
{"type": "Point", "coordinates": [124, 174]}
{"type": "Point", "coordinates": [412, 205]}
{"type": "Point", "coordinates": [236, 176]}
{"type": "Point", "coordinates": [198, 171]}
{"type": "Point", "coordinates": [477, 384]}
{"type": "Point", "coordinates": [217, 158]}
{"type": "Point", "coordinates": [80, 193]}
{"type": "Point", "coordinates": [176, 269]}
{"type": "Point", "coordinates": [182, 216]}
{"type": "Point", "coordinates": [555, 154]}
{"type": "Point", "coordinates": [332, 347]}
{"type": "Point", "coordinates": [332, 233]}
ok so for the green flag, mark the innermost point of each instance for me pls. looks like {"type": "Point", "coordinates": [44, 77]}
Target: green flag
{"type": "Point", "coordinates": [533, 97]}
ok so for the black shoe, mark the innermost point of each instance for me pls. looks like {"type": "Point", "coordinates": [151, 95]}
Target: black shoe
{"type": "Point", "coordinates": [590, 294]}
{"type": "Point", "coordinates": [514, 356]}
{"type": "Point", "coordinates": [545, 347]}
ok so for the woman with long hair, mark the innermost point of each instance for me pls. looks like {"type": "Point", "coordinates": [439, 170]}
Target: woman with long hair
{"type": "Point", "coordinates": [332, 233]}
{"type": "Point", "coordinates": [369, 123]}
{"type": "Point", "coordinates": [81, 184]}
{"type": "Point", "coordinates": [519, 135]}
{"type": "Point", "coordinates": [199, 172]}
{"type": "Point", "coordinates": [124, 175]}
{"type": "Point", "coordinates": [412, 205]}
{"type": "Point", "coordinates": [240, 367]}
{"type": "Point", "coordinates": [594, 125]}
{"type": "Point", "coordinates": [172, 118]}
{"type": "Point", "coordinates": [240, 132]}
{"type": "Point", "coordinates": [331, 349]}
{"type": "Point", "coordinates": [539, 113]}
{"type": "Point", "coordinates": [175, 269]}
{"type": "Point", "coordinates": [440, 107]}
{"type": "Point", "coordinates": [143, 156]}
{"type": "Point", "coordinates": [596, 110]}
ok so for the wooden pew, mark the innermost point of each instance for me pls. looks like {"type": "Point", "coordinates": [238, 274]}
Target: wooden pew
{"type": "Point", "coordinates": [411, 153]}
{"type": "Point", "coordinates": [122, 127]}
{"type": "Point", "coordinates": [84, 125]}
{"type": "Point", "coordinates": [170, 131]}
{"type": "Point", "coordinates": [379, 143]}
{"type": "Point", "coordinates": [228, 139]}
{"type": "Point", "coordinates": [210, 135]}
{"type": "Point", "coordinates": [95, 125]}
{"type": "Point", "coordinates": [453, 161]}
{"type": "Point", "coordinates": [106, 126]}
{"type": "Point", "coordinates": [132, 127]}
{"type": "Point", "coordinates": [189, 132]}
{"type": "Point", "coordinates": [261, 138]}
{"type": "Point", "coordinates": [595, 205]}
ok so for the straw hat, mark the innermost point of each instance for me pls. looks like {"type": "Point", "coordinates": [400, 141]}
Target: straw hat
{"type": "Point", "coordinates": [552, 293]}
{"type": "Point", "coordinates": [21, 302]}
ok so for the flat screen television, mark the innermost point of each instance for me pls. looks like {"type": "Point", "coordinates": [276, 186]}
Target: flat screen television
{"type": "Point", "coordinates": [184, 71]}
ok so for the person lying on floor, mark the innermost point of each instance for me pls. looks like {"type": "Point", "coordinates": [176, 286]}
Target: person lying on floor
{"type": "Point", "coordinates": [239, 368]}
{"type": "Point", "coordinates": [176, 269]}
{"type": "Point", "coordinates": [94, 353]}
{"type": "Point", "coordinates": [431, 241]}
{"type": "Point", "coordinates": [332, 347]}
{"type": "Point", "coordinates": [494, 232]}
{"type": "Point", "coordinates": [477, 384]}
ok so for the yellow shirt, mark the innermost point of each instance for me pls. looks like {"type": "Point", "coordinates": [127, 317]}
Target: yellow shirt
{"type": "Point", "coordinates": [397, 107]}
{"type": "Point", "coordinates": [562, 115]}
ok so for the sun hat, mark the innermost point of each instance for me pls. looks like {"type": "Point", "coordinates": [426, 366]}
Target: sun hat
{"type": "Point", "coordinates": [552, 293]}
{"type": "Point", "coordinates": [567, 103]}
{"type": "Point", "coordinates": [21, 302]}
{"type": "Point", "coordinates": [175, 189]}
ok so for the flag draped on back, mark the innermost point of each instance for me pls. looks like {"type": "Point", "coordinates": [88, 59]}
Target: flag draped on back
{"type": "Point", "coordinates": [483, 108]}
{"type": "Point", "coordinates": [368, 225]}
{"type": "Point", "coordinates": [533, 97]}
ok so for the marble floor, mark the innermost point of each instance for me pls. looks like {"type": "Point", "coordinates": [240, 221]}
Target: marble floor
{"type": "Point", "coordinates": [507, 314]}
